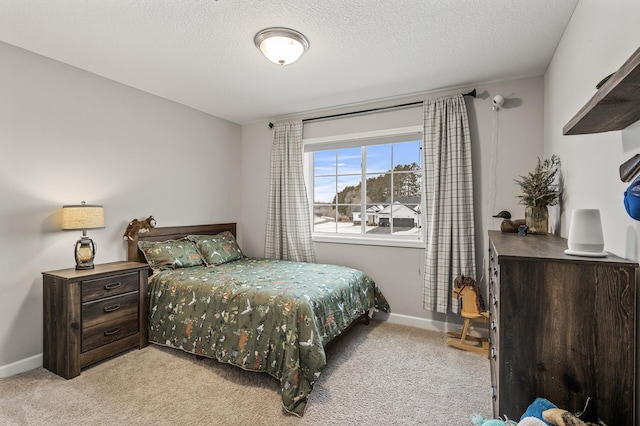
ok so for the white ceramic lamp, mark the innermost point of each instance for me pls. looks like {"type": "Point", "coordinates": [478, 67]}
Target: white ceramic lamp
{"type": "Point", "coordinates": [585, 234]}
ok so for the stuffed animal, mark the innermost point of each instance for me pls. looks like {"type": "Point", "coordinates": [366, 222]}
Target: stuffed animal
{"type": "Point", "coordinates": [527, 421]}
{"type": "Point", "coordinates": [531, 421]}
{"type": "Point", "coordinates": [537, 407]}
{"type": "Point", "coordinates": [479, 421]}
{"type": "Point", "coordinates": [560, 417]}
{"type": "Point", "coordinates": [136, 226]}
{"type": "Point", "coordinates": [548, 413]}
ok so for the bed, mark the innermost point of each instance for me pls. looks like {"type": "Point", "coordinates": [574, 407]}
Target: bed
{"type": "Point", "coordinates": [265, 315]}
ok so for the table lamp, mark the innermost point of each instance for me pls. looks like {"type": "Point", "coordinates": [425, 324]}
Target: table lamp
{"type": "Point", "coordinates": [83, 216]}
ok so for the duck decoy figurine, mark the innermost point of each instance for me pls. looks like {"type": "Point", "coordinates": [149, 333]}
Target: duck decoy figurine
{"type": "Point", "coordinates": [509, 225]}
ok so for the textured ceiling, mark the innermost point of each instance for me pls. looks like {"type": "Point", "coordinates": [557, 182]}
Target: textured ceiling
{"type": "Point", "coordinates": [200, 52]}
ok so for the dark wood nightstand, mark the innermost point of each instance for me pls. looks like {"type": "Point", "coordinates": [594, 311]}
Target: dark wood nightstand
{"type": "Point", "coordinates": [90, 315]}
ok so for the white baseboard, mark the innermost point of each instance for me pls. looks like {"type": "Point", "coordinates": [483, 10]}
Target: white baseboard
{"type": "Point", "coordinates": [433, 325]}
{"type": "Point", "coordinates": [425, 323]}
{"type": "Point", "coordinates": [20, 366]}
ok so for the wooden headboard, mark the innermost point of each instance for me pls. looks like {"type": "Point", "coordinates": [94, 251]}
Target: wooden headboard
{"type": "Point", "coordinates": [173, 233]}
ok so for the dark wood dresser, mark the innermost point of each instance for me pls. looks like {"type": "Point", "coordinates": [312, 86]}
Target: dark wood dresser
{"type": "Point", "coordinates": [90, 315]}
{"type": "Point", "coordinates": [562, 328]}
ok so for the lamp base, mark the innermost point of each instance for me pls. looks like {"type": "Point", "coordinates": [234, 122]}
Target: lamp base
{"type": "Point", "coordinates": [83, 267]}
{"type": "Point", "coordinates": [85, 252]}
{"type": "Point", "coordinates": [586, 253]}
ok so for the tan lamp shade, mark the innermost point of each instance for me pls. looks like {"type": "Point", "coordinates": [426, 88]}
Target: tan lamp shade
{"type": "Point", "coordinates": [82, 216]}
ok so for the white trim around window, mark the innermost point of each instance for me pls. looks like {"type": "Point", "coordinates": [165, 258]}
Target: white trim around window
{"type": "Point", "coordinates": [315, 144]}
{"type": "Point", "coordinates": [385, 136]}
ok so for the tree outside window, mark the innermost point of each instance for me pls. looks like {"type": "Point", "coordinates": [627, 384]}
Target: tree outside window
{"type": "Point", "coordinates": [390, 176]}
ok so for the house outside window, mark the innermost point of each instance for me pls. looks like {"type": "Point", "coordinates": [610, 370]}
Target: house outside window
{"type": "Point", "coordinates": [367, 188]}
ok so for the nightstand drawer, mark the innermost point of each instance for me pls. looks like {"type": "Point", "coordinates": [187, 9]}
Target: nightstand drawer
{"type": "Point", "coordinates": [109, 286]}
{"type": "Point", "coordinates": [109, 309]}
{"type": "Point", "coordinates": [109, 331]}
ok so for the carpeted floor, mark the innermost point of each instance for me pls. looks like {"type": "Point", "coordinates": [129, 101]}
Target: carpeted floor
{"type": "Point", "coordinates": [377, 374]}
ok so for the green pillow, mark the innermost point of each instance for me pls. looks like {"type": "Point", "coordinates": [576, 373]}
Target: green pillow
{"type": "Point", "coordinates": [170, 254]}
{"type": "Point", "coordinates": [217, 249]}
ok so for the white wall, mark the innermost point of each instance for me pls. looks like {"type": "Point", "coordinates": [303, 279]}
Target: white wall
{"type": "Point", "coordinates": [518, 127]}
{"type": "Point", "coordinates": [66, 136]}
{"type": "Point", "coordinates": [597, 41]}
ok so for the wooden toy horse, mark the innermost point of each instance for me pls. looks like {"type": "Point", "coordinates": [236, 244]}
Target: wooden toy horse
{"type": "Point", "coordinates": [473, 309]}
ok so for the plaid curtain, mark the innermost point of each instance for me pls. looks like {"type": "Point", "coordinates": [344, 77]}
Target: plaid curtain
{"type": "Point", "coordinates": [450, 231]}
{"type": "Point", "coordinates": [288, 224]}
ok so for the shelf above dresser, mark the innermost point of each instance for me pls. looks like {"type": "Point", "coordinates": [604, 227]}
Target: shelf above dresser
{"type": "Point", "coordinates": [615, 105]}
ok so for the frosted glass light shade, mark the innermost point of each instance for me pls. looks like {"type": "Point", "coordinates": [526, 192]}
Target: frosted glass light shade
{"type": "Point", "coordinates": [281, 46]}
{"type": "Point", "coordinates": [585, 234]}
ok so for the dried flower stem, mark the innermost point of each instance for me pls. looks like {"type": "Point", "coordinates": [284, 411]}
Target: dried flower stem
{"type": "Point", "coordinates": [539, 187]}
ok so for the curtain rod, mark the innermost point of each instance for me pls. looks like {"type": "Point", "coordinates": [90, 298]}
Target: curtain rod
{"type": "Point", "coordinates": [306, 120]}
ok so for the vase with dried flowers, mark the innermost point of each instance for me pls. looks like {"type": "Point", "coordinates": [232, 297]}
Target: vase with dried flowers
{"type": "Point", "coordinates": [540, 190]}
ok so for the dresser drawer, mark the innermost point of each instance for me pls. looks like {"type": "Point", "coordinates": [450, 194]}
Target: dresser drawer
{"type": "Point", "coordinates": [494, 291]}
{"type": "Point", "coordinates": [494, 333]}
{"type": "Point", "coordinates": [109, 286]}
{"type": "Point", "coordinates": [106, 332]}
{"type": "Point", "coordinates": [109, 309]}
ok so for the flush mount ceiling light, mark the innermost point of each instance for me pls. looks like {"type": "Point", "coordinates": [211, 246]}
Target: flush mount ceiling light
{"type": "Point", "coordinates": [281, 46]}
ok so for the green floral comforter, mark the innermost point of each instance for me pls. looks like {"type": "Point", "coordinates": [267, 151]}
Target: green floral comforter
{"type": "Point", "coordinates": [264, 315]}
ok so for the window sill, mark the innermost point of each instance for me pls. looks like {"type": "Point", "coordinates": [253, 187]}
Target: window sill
{"type": "Point", "coordinates": [385, 242]}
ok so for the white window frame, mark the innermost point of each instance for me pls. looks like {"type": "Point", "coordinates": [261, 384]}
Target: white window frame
{"type": "Point", "coordinates": [330, 142]}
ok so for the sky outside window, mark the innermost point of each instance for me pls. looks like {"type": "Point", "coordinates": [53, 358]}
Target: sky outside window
{"type": "Point", "coordinates": [347, 161]}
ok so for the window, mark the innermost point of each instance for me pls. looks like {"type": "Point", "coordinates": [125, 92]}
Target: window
{"type": "Point", "coordinates": [369, 188]}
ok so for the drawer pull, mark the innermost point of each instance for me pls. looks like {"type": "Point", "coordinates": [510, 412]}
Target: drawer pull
{"type": "Point", "coordinates": [493, 352]}
{"type": "Point", "coordinates": [112, 286]}
{"type": "Point", "coordinates": [112, 331]}
{"type": "Point", "coordinates": [112, 308]}
{"type": "Point", "coordinates": [495, 301]}
{"type": "Point", "coordinates": [493, 325]}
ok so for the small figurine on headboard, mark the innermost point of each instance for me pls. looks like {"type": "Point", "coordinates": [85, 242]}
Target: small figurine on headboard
{"type": "Point", "coordinates": [509, 225]}
{"type": "Point", "coordinates": [136, 226]}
